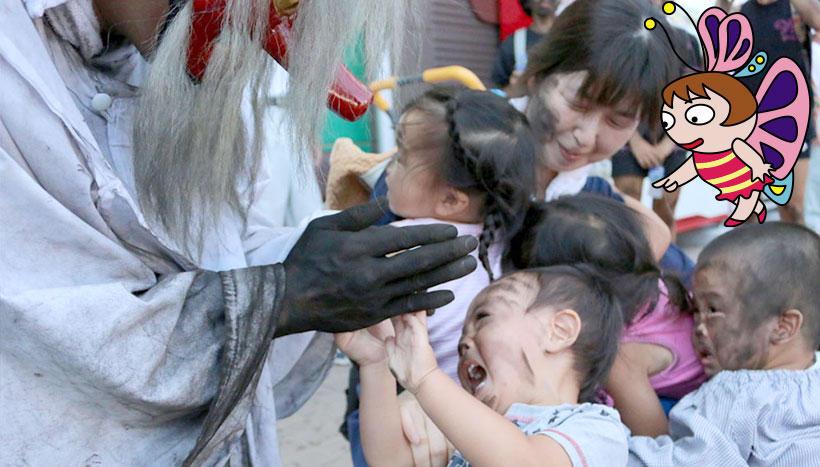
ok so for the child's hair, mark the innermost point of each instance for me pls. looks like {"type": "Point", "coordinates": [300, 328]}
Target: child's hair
{"type": "Point", "coordinates": [743, 103]}
{"type": "Point", "coordinates": [584, 289]}
{"type": "Point", "coordinates": [589, 228]}
{"type": "Point", "coordinates": [607, 39]}
{"type": "Point", "coordinates": [491, 151]}
{"type": "Point", "coordinates": [775, 267]}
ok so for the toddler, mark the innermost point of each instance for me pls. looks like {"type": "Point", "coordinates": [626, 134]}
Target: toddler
{"type": "Point", "coordinates": [757, 291]}
{"type": "Point", "coordinates": [656, 356]}
{"type": "Point", "coordinates": [466, 158]}
{"type": "Point", "coordinates": [534, 348]}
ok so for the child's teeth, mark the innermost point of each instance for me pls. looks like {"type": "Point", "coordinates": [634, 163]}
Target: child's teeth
{"type": "Point", "coordinates": [473, 371]}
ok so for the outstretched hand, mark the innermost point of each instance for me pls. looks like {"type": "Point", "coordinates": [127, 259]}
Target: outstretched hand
{"type": "Point", "coordinates": [366, 346]}
{"type": "Point", "coordinates": [409, 353]}
{"type": "Point", "coordinates": [339, 277]}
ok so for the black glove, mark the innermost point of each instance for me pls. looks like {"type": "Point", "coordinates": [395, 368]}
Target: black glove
{"type": "Point", "coordinates": [339, 279]}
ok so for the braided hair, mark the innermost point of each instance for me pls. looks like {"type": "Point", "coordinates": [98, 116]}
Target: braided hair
{"type": "Point", "coordinates": [491, 152]}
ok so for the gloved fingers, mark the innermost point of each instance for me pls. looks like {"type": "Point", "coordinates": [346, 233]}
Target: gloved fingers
{"type": "Point", "coordinates": [356, 218]}
{"type": "Point", "coordinates": [426, 258]}
{"type": "Point", "coordinates": [390, 239]}
{"type": "Point", "coordinates": [417, 302]}
{"type": "Point", "coordinates": [439, 275]}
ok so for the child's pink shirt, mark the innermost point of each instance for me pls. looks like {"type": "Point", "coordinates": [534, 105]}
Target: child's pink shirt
{"type": "Point", "coordinates": [668, 327]}
{"type": "Point", "coordinates": [445, 325]}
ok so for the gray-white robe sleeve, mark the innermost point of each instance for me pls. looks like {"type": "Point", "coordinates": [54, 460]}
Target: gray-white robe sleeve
{"type": "Point", "coordinates": [103, 359]}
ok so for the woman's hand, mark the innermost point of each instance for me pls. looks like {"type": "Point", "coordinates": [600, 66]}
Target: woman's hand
{"type": "Point", "coordinates": [366, 346]}
{"type": "Point", "coordinates": [409, 353]}
{"type": "Point", "coordinates": [645, 153]}
{"type": "Point", "coordinates": [429, 446]}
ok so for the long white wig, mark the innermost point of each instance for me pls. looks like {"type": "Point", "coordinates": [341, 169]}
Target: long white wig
{"type": "Point", "coordinates": [195, 154]}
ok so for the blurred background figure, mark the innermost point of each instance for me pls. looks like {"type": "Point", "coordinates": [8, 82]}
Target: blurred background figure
{"type": "Point", "coordinates": [782, 29]}
{"type": "Point", "coordinates": [512, 54]}
{"type": "Point", "coordinates": [650, 152]}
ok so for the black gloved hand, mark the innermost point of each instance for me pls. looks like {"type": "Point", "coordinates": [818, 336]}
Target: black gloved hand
{"type": "Point", "coordinates": [338, 278]}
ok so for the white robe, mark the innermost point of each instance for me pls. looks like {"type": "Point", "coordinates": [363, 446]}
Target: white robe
{"type": "Point", "coordinates": [115, 348]}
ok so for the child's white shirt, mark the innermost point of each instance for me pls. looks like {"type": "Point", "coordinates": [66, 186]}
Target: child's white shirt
{"type": "Point", "coordinates": [741, 418]}
{"type": "Point", "coordinates": [592, 435]}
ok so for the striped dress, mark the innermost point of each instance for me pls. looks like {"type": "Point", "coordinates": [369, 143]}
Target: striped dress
{"type": "Point", "coordinates": [728, 173]}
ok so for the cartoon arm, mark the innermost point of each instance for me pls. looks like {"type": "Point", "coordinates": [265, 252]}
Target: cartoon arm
{"type": "Point", "coordinates": [751, 158]}
{"type": "Point", "coordinates": [685, 174]}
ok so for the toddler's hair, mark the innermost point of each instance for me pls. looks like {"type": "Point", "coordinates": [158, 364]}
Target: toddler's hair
{"type": "Point", "coordinates": [774, 267]}
{"type": "Point", "coordinates": [584, 289]}
{"type": "Point", "coordinates": [490, 151]}
{"type": "Point", "coordinates": [589, 228]}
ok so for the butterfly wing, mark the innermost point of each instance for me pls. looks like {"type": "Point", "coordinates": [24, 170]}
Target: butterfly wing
{"type": "Point", "coordinates": [728, 39]}
{"type": "Point", "coordinates": [782, 118]}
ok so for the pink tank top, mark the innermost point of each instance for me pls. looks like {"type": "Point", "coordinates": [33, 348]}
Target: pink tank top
{"type": "Point", "coordinates": [668, 327]}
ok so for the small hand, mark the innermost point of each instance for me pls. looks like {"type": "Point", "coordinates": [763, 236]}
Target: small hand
{"type": "Point", "coordinates": [516, 87]}
{"type": "Point", "coordinates": [760, 170]}
{"type": "Point", "coordinates": [644, 152]}
{"type": "Point", "coordinates": [428, 444]}
{"type": "Point", "coordinates": [366, 346]}
{"type": "Point", "coordinates": [409, 353]}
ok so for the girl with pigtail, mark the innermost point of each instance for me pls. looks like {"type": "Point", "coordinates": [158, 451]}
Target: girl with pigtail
{"type": "Point", "coordinates": [466, 158]}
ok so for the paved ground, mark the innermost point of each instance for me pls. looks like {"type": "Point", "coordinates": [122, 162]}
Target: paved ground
{"type": "Point", "coordinates": [311, 438]}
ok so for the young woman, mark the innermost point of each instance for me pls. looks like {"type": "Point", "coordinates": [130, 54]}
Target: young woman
{"type": "Point", "coordinates": [592, 80]}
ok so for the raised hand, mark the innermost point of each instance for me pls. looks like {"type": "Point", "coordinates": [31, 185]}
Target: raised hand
{"type": "Point", "coordinates": [338, 277]}
{"type": "Point", "coordinates": [409, 354]}
{"type": "Point", "coordinates": [366, 346]}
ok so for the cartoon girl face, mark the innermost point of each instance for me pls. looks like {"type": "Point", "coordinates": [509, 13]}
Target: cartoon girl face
{"type": "Point", "coordinates": [698, 124]}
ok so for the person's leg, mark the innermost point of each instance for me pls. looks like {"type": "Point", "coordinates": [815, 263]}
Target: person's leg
{"type": "Point", "coordinates": [793, 210]}
{"type": "Point", "coordinates": [665, 205]}
{"type": "Point", "coordinates": [627, 174]}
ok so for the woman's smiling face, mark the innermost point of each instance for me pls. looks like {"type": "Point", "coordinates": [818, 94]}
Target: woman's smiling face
{"type": "Point", "coordinates": [574, 132]}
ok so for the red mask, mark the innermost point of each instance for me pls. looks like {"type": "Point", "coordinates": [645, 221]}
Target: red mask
{"type": "Point", "coordinates": [348, 97]}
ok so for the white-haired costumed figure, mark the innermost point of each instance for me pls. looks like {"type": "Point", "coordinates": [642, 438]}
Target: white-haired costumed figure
{"type": "Point", "coordinates": [150, 312]}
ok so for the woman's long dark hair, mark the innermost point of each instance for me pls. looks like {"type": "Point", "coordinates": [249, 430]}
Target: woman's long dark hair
{"type": "Point", "coordinates": [491, 152]}
{"type": "Point", "coordinates": [607, 39]}
{"type": "Point", "coordinates": [595, 230]}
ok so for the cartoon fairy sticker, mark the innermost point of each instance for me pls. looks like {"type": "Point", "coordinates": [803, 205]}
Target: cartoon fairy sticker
{"type": "Point", "coordinates": [742, 144]}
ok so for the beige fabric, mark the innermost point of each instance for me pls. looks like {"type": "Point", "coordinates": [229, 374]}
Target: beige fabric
{"type": "Point", "coordinates": [347, 164]}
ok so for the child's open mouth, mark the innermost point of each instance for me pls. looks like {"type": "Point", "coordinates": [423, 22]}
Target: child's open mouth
{"type": "Point", "coordinates": [473, 376]}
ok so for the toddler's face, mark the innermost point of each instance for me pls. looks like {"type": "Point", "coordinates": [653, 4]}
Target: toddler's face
{"type": "Point", "coordinates": [723, 340]}
{"type": "Point", "coordinates": [501, 344]}
{"type": "Point", "coordinates": [412, 182]}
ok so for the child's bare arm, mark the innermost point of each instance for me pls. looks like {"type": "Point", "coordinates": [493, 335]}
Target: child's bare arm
{"type": "Point", "coordinates": [655, 229]}
{"type": "Point", "coordinates": [380, 420]}
{"type": "Point", "coordinates": [483, 436]}
{"type": "Point", "coordinates": [380, 427]}
{"type": "Point", "coordinates": [634, 396]}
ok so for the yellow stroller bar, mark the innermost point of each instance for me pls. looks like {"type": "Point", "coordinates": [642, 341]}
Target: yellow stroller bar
{"type": "Point", "coordinates": [433, 75]}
